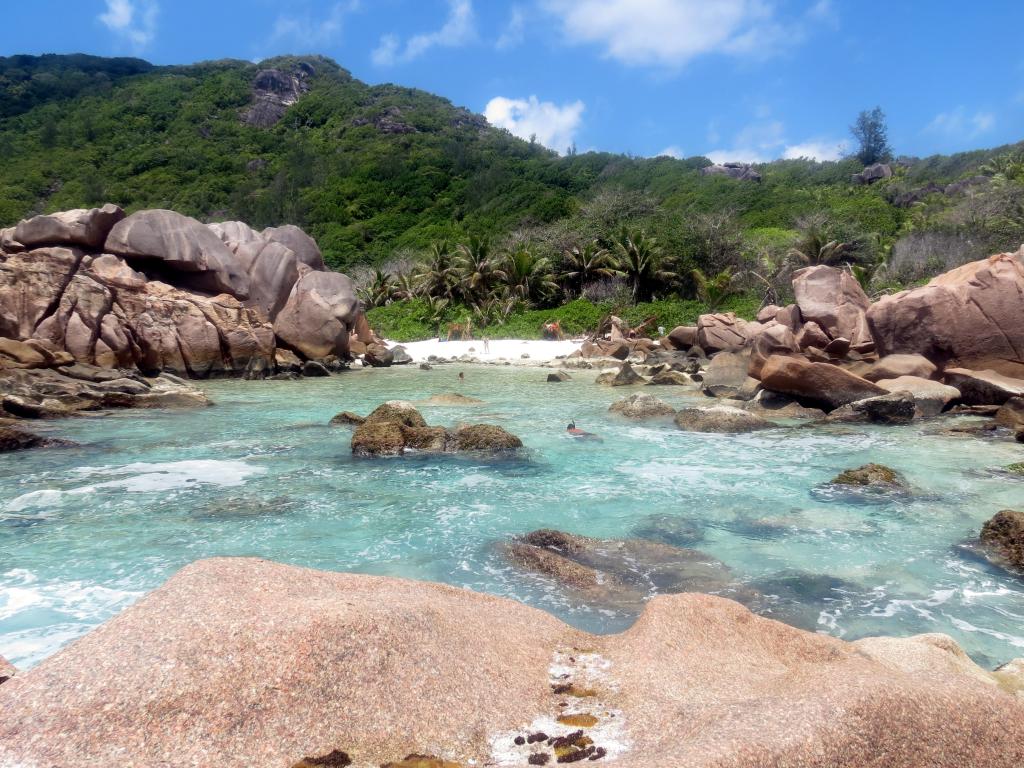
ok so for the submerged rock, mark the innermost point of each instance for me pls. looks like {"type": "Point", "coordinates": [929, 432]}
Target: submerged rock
{"type": "Point", "coordinates": [719, 418]}
{"type": "Point", "coordinates": [895, 408]}
{"type": "Point", "coordinates": [347, 417]}
{"type": "Point", "coordinates": [641, 406]}
{"type": "Point", "coordinates": [244, 662]}
{"type": "Point", "coordinates": [872, 475]}
{"type": "Point", "coordinates": [451, 398]}
{"type": "Point", "coordinates": [14, 439]}
{"type": "Point", "coordinates": [559, 376]}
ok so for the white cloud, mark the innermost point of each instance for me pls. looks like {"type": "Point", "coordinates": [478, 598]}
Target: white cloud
{"type": "Point", "coordinates": [671, 151]}
{"type": "Point", "coordinates": [512, 35]}
{"type": "Point", "coordinates": [959, 123]}
{"type": "Point", "coordinates": [669, 33]}
{"type": "Point", "coordinates": [764, 141]}
{"type": "Point", "coordinates": [458, 29]}
{"type": "Point", "coordinates": [815, 149]}
{"type": "Point", "coordinates": [552, 125]}
{"type": "Point", "coordinates": [308, 32]}
{"type": "Point", "coordinates": [133, 20]}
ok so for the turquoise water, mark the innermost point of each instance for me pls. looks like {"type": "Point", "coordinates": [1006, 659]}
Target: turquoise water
{"type": "Point", "coordinates": [86, 531]}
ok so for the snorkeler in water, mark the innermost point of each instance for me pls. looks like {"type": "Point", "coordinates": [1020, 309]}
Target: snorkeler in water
{"type": "Point", "coordinates": [575, 431]}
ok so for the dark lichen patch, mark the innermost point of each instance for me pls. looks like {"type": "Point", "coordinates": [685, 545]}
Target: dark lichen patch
{"type": "Point", "coordinates": [422, 761]}
{"type": "Point", "coordinates": [333, 759]}
{"type": "Point", "coordinates": [539, 758]}
{"type": "Point", "coordinates": [1016, 469]}
{"type": "Point", "coordinates": [571, 689]}
{"type": "Point", "coordinates": [579, 720]}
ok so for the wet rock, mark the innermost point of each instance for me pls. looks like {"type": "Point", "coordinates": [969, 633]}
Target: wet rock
{"type": "Point", "coordinates": [399, 355]}
{"type": "Point", "coordinates": [313, 369]}
{"type": "Point", "coordinates": [485, 437]}
{"type": "Point", "coordinates": [286, 361]}
{"type": "Point", "coordinates": [559, 376]}
{"type": "Point", "coordinates": [346, 418]}
{"type": "Point", "coordinates": [895, 408]}
{"type": "Point", "coordinates": [1003, 537]}
{"type": "Point", "coordinates": [426, 367]}
{"type": "Point", "coordinates": [619, 573]}
{"type": "Point", "coordinates": [873, 475]}
{"type": "Point", "coordinates": [452, 398]}
{"type": "Point", "coordinates": [670, 378]}
{"type": "Point", "coordinates": [930, 397]}
{"type": "Point", "coordinates": [641, 406]}
{"type": "Point", "coordinates": [820, 384]}
{"type": "Point", "coordinates": [379, 356]}
{"type": "Point", "coordinates": [625, 377]}
{"type": "Point", "coordinates": [719, 418]}
{"type": "Point", "coordinates": [671, 529]}
{"type": "Point", "coordinates": [775, 405]}
{"type": "Point", "coordinates": [983, 387]}
{"type": "Point", "coordinates": [398, 412]}
{"type": "Point", "coordinates": [1011, 414]}
{"type": "Point", "coordinates": [14, 439]}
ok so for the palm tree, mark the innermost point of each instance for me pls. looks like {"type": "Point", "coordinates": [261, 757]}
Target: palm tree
{"type": "Point", "coordinates": [439, 276]}
{"type": "Point", "coordinates": [640, 260]}
{"type": "Point", "coordinates": [477, 270]}
{"type": "Point", "coordinates": [379, 291]}
{"type": "Point", "coordinates": [814, 247]}
{"type": "Point", "coordinates": [528, 276]}
{"type": "Point", "coordinates": [587, 264]}
{"type": "Point", "coordinates": [716, 289]}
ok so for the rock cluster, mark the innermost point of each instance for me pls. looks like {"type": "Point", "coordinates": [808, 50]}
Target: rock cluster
{"type": "Point", "coordinates": [159, 291]}
{"type": "Point", "coordinates": [238, 661]}
{"type": "Point", "coordinates": [396, 427]}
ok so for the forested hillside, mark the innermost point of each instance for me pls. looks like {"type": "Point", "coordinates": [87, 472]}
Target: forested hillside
{"type": "Point", "coordinates": [380, 174]}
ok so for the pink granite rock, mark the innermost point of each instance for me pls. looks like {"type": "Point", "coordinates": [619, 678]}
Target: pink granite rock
{"type": "Point", "coordinates": [240, 662]}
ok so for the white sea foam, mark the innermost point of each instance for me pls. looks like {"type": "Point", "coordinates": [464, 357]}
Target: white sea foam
{"type": "Point", "coordinates": [145, 477]}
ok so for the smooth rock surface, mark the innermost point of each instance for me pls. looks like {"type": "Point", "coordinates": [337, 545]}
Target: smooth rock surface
{"type": "Point", "coordinates": [641, 406]}
{"type": "Point", "coordinates": [931, 397]}
{"type": "Point", "coordinates": [719, 418]}
{"type": "Point", "coordinates": [834, 300]}
{"type": "Point", "coordinates": [240, 662]}
{"type": "Point", "coordinates": [825, 385]}
{"type": "Point", "coordinates": [84, 227]}
{"type": "Point", "coordinates": [985, 387]}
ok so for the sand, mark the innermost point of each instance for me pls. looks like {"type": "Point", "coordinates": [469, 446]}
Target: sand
{"type": "Point", "coordinates": [513, 350]}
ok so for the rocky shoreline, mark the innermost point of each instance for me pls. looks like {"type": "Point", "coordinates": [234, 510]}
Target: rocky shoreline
{"type": "Point", "coordinates": [239, 662]}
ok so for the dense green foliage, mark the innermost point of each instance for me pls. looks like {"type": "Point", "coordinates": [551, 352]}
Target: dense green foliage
{"type": "Point", "coordinates": [381, 174]}
{"type": "Point", "coordinates": [413, 319]}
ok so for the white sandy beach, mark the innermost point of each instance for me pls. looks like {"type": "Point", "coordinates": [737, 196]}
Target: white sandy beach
{"type": "Point", "coordinates": [539, 351]}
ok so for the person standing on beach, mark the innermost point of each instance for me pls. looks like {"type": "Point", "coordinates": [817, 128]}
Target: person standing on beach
{"type": "Point", "coordinates": [487, 345]}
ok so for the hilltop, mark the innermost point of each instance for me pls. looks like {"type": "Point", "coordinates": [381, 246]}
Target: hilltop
{"type": "Point", "coordinates": [375, 171]}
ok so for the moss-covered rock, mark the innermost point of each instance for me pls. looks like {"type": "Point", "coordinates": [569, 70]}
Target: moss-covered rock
{"type": "Point", "coordinates": [873, 475]}
{"type": "Point", "coordinates": [485, 437]}
{"type": "Point", "coordinates": [1003, 537]}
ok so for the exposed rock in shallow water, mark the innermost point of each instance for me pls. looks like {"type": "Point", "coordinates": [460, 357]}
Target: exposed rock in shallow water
{"type": "Point", "coordinates": [347, 417]}
{"type": "Point", "coordinates": [396, 427]}
{"type": "Point", "coordinates": [871, 475]}
{"type": "Point", "coordinates": [1011, 414]}
{"type": "Point", "coordinates": [243, 662]}
{"type": "Point", "coordinates": [896, 408]}
{"type": "Point", "coordinates": [14, 439]}
{"type": "Point", "coordinates": [820, 384]}
{"type": "Point", "coordinates": [930, 397]}
{"type": "Point", "coordinates": [1003, 537]}
{"type": "Point", "coordinates": [719, 418]}
{"type": "Point", "coordinates": [984, 387]}
{"type": "Point", "coordinates": [641, 406]}
{"type": "Point", "coordinates": [451, 398]}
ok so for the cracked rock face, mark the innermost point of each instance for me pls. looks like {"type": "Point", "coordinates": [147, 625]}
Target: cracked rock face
{"type": "Point", "coordinates": [969, 317]}
{"type": "Point", "coordinates": [163, 292]}
{"type": "Point", "coordinates": [273, 91]}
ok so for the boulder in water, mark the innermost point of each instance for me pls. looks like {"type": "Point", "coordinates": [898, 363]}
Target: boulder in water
{"type": "Point", "coordinates": [641, 406]}
{"type": "Point", "coordinates": [930, 397]}
{"type": "Point", "coordinates": [870, 475]}
{"type": "Point", "coordinates": [1003, 537]}
{"type": "Point", "coordinates": [821, 384]}
{"type": "Point", "coordinates": [719, 418]}
{"type": "Point", "coordinates": [894, 408]}
{"type": "Point", "coordinates": [485, 437]}
{"type": "Point", "coordinates": [983, 387]}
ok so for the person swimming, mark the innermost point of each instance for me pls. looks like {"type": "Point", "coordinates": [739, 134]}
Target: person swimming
{"type": "Point", "coordinates": [575, 431]}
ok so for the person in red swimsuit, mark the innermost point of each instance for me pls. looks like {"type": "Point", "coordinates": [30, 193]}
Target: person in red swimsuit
{"type": "Point", "coordinates": [575, 431]}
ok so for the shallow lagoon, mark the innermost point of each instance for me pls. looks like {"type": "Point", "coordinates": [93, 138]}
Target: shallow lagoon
{"type": "Point", "coordinates": [86, 531]}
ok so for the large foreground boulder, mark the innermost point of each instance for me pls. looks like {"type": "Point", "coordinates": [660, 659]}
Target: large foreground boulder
{"type": "Point", "coordinates": [969, 317]}
{"type": "Point", "coordinates": [822, 384]}
{"type": "Point", "coordinates": [242, 662]}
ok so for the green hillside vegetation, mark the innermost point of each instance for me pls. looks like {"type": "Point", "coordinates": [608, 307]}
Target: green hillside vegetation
{"type": "Point", "coordinates": [386, 177]}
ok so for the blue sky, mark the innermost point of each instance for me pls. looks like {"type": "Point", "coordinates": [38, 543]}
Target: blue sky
{"type": "Point", "coordinates": [731, 79]}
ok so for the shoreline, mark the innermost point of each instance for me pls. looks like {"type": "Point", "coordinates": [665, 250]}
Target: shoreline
{"type": "Point", "coordinates": [524, 352]}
